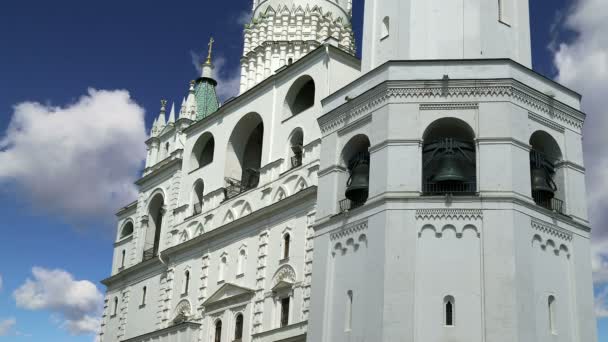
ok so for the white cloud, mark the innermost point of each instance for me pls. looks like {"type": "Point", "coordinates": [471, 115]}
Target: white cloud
{"type": "Point", "coordinates": [6, 326]}
{"type": "Point", "coordinates": [583, 66]}
{"type": "Point", "coordinates": [79, 160]}
{"type": "Point", "coordinates": [244, 18]}
{"type": "Point", "coordinates": [77, 302]}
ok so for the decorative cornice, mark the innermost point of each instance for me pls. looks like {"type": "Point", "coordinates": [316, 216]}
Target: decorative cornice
{"type": "Point", "coordinates": [349, 229]}
{"type": "Point", "coordinates": [545, 122]}
{"type": "Point", "coordinates": [449, 214]}
{"type": "Point", "coordinates": [552, 230]}
{"type": "Point", "coordinates": [449, 106]}
{"type": "Point", "coordinates": [456, 89]}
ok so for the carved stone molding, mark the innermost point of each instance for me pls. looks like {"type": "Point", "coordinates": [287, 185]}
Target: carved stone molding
{"type": "Point", "coordinates": [461, 89]}
{"type": "Point", "coordinates": [350, 229]}
{"type": "Point", "coordinates": [449, 214]}
{"type": "Point", "coordinates": [545, 122]}
{"type": "Point", "coordinates": [449, 106]}
{"type": "Point", "coordinates": [549, 229]}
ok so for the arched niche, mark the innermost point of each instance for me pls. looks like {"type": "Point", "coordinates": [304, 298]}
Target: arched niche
{"type": "Point", "coordinates": [356, 159]}
{"type": "Point", "coordinates": [126, 230]}
{"type": "Point", "coordinates": [244, 153]}
{"type": "Point", "coordinates": [449, 158]}
{"type": "Point", "coordinates": [301, 96]}
{"type": "Point", "coordinates": [197, 196]}
{"type": "Point", "coordinates": [295, 151]}
{"type": "Point", "coordinates": [155, 222]}
{"type": "Point", "coordinates": [546, 173]}
{"type": "Point", "coordinates": [203, 151]}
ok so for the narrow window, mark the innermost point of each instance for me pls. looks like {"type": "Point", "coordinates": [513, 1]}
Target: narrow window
{"type": "Point", "coordinates": [238, 327]}
{"type": "Point", "coordinates": [449, 311]}
{"type": "Point", "coordinates": [290, 61]}
{"type": "Point", "coordinates": [500, 10]}
{"type": "Point", "coordinates": [286, 242]}
{"type": "Point", "coordinates": [551, 307]}
{"type": "Point", "coordinates": [167, 149]}
{"type": "Point", "coordinates": [218, 331]}
{"type": "Point", "coordinates": [349, 310]}
{"type": "Point", "coordinates": [186, 282]}
{"type": "Point", "coordinates": [115, 309]}
{"type": "Point", "coordinates": [284, 311]}
{"type": "Point", "coordinates": [143, 295]}
{"type": "Point", "coordinates": [222, 269]}
{"type": "Point", "coordinates": [122, 260]}
{"type": "Point", "coordinates": [241, 264]}
{"type": "Point", "coordinates": [386, 27]}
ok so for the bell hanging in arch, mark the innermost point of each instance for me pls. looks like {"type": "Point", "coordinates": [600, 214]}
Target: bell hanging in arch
{"type": "Point", "coordinates": [542, 184]}
{"type": "Point", "coordinates": [357, 187]}
{"type": "Point", "coordinates": [450, 169]}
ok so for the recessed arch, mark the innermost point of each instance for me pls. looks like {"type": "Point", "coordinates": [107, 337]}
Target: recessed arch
{"type": "Point", "coordinates": [244, 152]}
{"type": "Point", "coordinates": [301, 96]}
{"type": "Point", "coordinates": [203, 151]}
{"type": "Point", "coordinates": [449, 158]}
{"type": "Point", "coordinates": [355, 158]}
{"type": "Point", "coordinates": [295, 148]}
{"type": "Point", "coordinates": [197, 196]}
{"type": "Point", "coordinates": [156, 212]}
{"type": "Point", "coordinates": [127, 229]}
{"type": "Point", "coordinates": [546, 175]}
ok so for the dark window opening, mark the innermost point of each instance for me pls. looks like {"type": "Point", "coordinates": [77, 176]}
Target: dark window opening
{"type": "Point", "coordinates": [284, 312]}
{"type": "Point", "coordinates": [449, 313]}
{"type": "Point", "coordinates": [218, 331]}
{"type": "Point", "coordinates": [286, 242]}
{"type": "Point", "coordinates": [238, 328]}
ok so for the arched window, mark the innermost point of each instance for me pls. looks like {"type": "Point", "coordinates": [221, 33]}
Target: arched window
{"type": "Point", "coordinates": [238, 327]}
{"type": "Point", "coordinates": [222, 269]}
{"type": "Point", "coordinates": [296, 148]}
{"type": "Point", "coordinates": [545, 173]}
{"type": "Point", "coordinates": [244, 155]}
{"type": "Point", "coordinates": [301, 96]}
{"type": "Point", "coordinates": [449, 309]}
{"type": "Point", "coordinates": [203, 151]}
{"type": "Point", "coordinates": [349, 311]}
{"type": "Point", "coordinates": [356, 158]}
{"type": "Point", "coordinates": [115, 308]}
{"type": "Point", "coordinates": [186, 282]}
{"type": "Point", "coordinates": [286, 243]}
{"type": "Point", "coordinates": [448, 158]}
{"type": "Point", "coordinates": [126, 230]}
{"type": "Point", "coordinates": [197, 197]}
{"type": "Point", "coordinates": [290, 61]}
{"type": "Point", "coordinates": [218, 331]}
{"type": "Point", "coordinates": [551, 308]}
{"type": "Point", "coordinates": [153, 231]}
{"type": "Point", "coordinates": [386, 27]}
{"type": "Point", "coordinates": [144, 291]}
{"type": "Point", "coordinates": [122, 259]}
{"type": "Point", "coordinates": [241, 263]}
{"type": "Point", "coordinates": [167, 149]}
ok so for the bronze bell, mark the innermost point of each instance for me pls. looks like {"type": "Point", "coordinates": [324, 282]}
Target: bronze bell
{"type": "Point", "coordinates": [357, 187]}
{"type": "Point", "coordinates": [450, 169]}
{"type": "Point", "coordinates": [542, 183]}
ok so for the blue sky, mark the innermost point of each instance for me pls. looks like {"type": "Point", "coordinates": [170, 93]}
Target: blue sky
{"type": "Point", "coordinates": [53, 51]}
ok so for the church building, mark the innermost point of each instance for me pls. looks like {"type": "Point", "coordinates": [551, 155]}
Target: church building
{"type": "Point", "coordinates": [433, 191]}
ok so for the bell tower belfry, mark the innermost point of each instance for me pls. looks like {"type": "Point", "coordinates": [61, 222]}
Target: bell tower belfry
{"type": "Point", "coordinates": [445, 29]}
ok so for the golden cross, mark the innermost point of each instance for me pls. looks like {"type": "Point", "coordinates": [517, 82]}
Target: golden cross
{"type": "Point", "coordinates": [211, 41]}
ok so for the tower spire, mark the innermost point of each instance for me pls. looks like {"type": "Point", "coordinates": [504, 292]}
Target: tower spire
{"type": "Point", "coordinates": [211, 41]}
{"type": "Point", "coordinates": [204, 90]}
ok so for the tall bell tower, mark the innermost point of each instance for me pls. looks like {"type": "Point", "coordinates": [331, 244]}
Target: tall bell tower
{"type": "Point", "coordinates": [283, 31]}
{"type": "Point", "coordinates": [451, 203]}
{"type": "Point", "coordinates": [445, 29]}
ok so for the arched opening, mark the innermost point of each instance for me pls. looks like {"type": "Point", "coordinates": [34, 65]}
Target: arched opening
{"type": "Point", "coordinates": [449, 309]}
{"type": "Point", "coordinates": [222, 269]}
{"type": "Point", "coordinates": [551, 307]}
{"type": "Point", "coordinates": [218, 331]}
{"type": "Point", "coordinates": [547, 178]}
{"type": "Point", "coordinates": [144, 293]}
{"type": "Point", "coordinates": [115, 308]}
{"type": "Point", "coordinates": [186, 282]}
{"type": "Point", "coordinates": [296, 148]}
{"type": "Point", "coordinates": [126, 230]}
{"type": "Point", "coordinates": [349, 311]}
{"type": "Point", "coordinates": [153, 231]}
{"type": "Point", "coordinates": [355, 157]}
{"type": "Point", "coordinates": [301, 96]}
{"type": "Point", "coordinates": [286, 243]}
{"type": "Point", "coordinates": [238, 327]}
{"type": "Point", "coordinates": [203, 151]}
{"type": "Point", "coordinates": [448, 158]}
{"type": "Point", "coordinates": [241, 262]}
{"type": "Point", "coordinates": [122, 259]}
{"type": "Point", "coordinates": [244, 155]}
{"type": "Point", "coordinates": [386, 27]}
{"type": "Point", "coordinates": [284, 312]}
{"type": "Point", "coordinates": [197, 197]}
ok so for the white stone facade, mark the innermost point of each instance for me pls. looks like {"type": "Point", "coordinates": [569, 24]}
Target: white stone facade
{"type": "Point", "coordinates": [241, 232]}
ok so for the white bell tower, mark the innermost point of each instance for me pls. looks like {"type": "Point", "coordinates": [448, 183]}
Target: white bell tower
{"type": "Point", "coordinates": [283, 31]}
{"type": "Point", "coordinates": [445, 29]}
